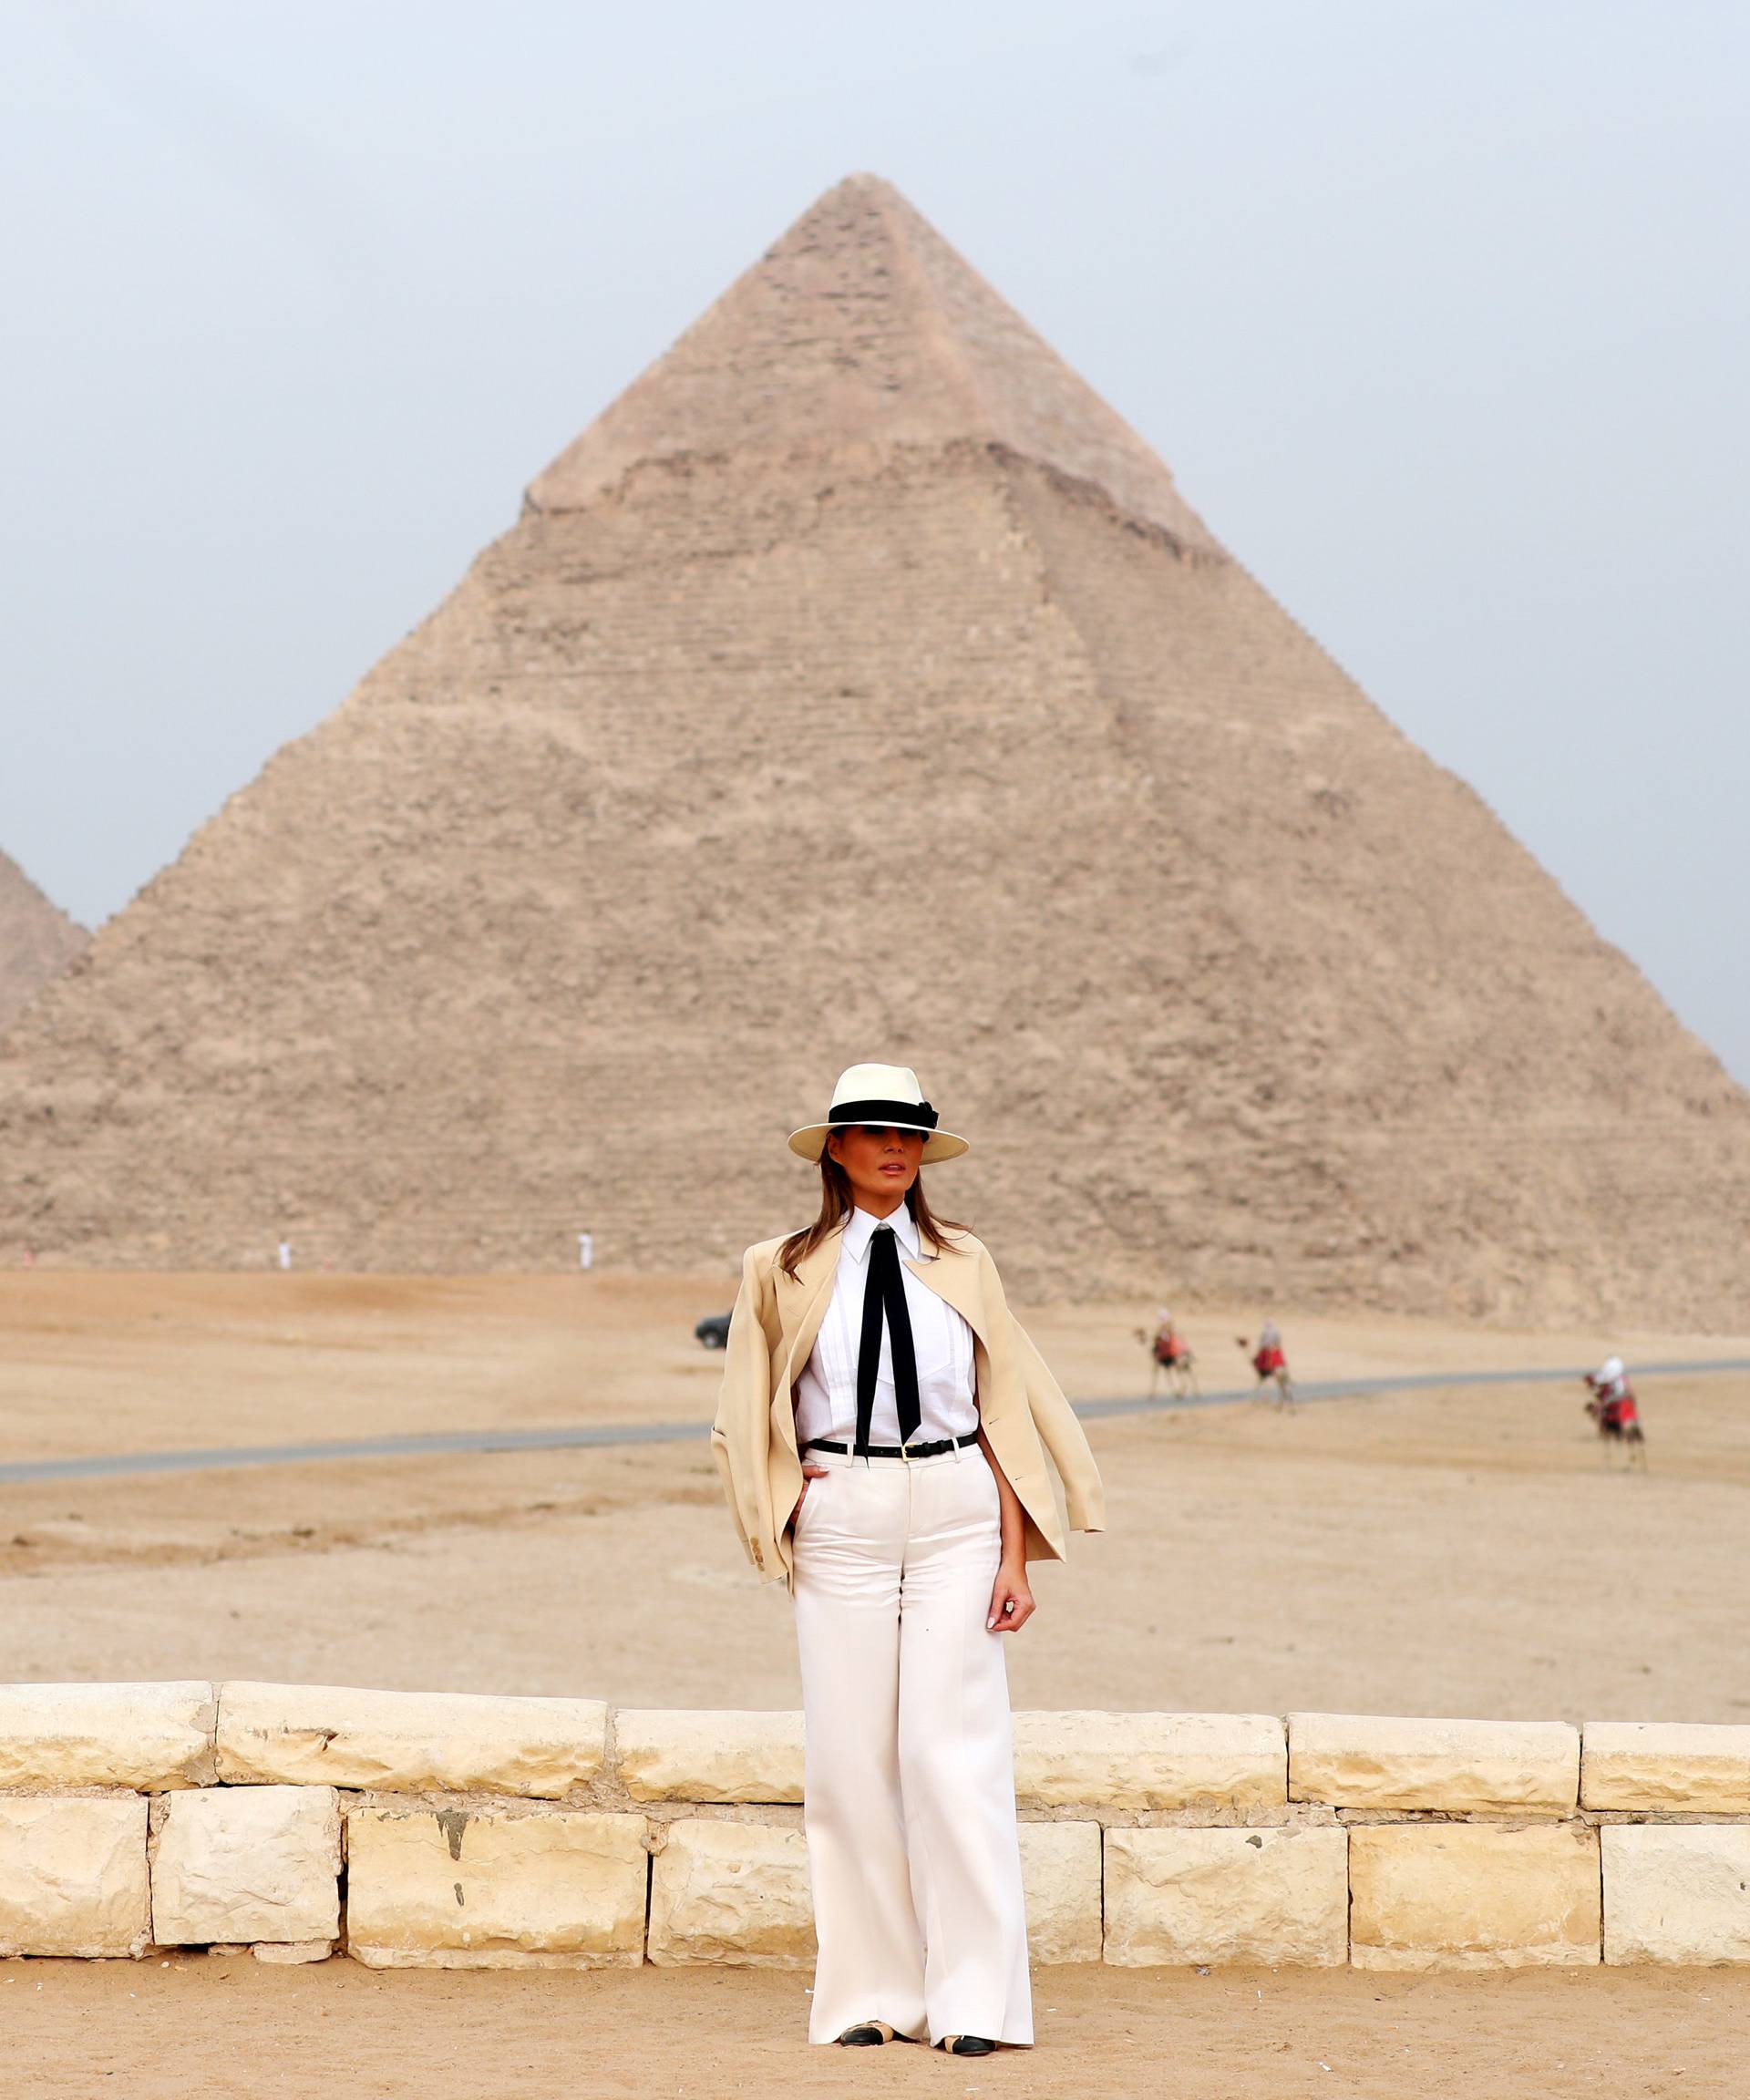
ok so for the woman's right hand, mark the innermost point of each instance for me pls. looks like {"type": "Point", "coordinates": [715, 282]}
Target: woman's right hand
{"type": "Point", "coordinates": [809, 1473]}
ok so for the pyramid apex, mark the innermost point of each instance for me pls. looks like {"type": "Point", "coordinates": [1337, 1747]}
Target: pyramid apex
{"type": "Point", "coordinates": [864, 187]}
{"type": "Point", "coordinates": [860, 327]}
{"type": "Point", "coordinates": [861, 180]}
{"type": "Point", "coordinates": [835, 206]}
{"type": "Point", "coordinates": [37, 939]}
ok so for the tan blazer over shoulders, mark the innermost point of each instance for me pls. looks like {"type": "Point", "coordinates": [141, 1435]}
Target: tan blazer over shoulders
{"type": "Point", "coordinates": [771, 1337]}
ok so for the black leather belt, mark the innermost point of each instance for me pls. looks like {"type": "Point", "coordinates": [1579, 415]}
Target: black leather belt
{"type": "Point", "coordinates": [906, 1452]}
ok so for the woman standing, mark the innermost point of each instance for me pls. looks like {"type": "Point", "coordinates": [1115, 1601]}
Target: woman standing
{"type": "Point", "coordinates": [882, 1437]}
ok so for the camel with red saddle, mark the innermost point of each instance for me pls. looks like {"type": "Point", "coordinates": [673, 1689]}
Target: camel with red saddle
{"type": "Point", "coordinates": [1169, 1351]}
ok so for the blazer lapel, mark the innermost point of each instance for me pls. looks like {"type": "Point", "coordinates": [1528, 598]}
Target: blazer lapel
{"type": "Point", "coordinates": [955, 1280]}
{"type": "Point", "coordinates": [813, 1293]}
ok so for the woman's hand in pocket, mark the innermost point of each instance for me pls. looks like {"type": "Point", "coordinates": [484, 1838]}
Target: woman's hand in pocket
{"type": "Point", "coordinates": [809, 1473]}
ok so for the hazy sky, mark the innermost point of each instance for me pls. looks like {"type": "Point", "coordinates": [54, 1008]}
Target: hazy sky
{"type": "Point", "coordinates": [1440, 313]}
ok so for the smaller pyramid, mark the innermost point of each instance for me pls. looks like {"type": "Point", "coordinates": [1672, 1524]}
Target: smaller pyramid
{"type": "Point", "coordinates": [37, 941]}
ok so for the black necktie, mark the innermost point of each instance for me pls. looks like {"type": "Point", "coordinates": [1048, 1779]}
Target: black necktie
{"type": "Point", "coordinates": [885, 1293]}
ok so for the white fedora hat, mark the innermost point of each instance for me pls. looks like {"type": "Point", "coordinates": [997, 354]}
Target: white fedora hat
{"type": "Point", "coordinates": [887, 1095]}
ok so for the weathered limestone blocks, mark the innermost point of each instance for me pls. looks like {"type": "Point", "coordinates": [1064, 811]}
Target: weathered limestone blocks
{"type": "Point", "coordinates": [1060, 1871]}
{"type": "Point", "coordinates": [736, 1894]}
{"type": "Point", "coordinates": [472, 1888]}
{"type": "Point", "coordinates": [150, 1736]}
{"type": "Point", "coordinates": [669, 1755]}
{"type": "Point", "coordinates": [130, 1814]}
{"type": "Point", "coordinates": [1222, 1895]}
{"type": "Point", "coordinates": [731, 1894]}
{"type": "Point", "coordinates": [437, 1741]}
{"type": "Point", "coordinates": [246, 1863]}
{"type": "Point", "coordinates": [1666, 1765]}
{"type": "Point", "coordinates": [1149, 1760]}
{"type": "Point", "coordinates": [1676, 1892]}
{"type": "Point", "coordinates": [1472, 1896]}
{"type": "Point", "coordinates": [72, 1877]}
{"type": "Point", "coordinates": [1370, 1761]}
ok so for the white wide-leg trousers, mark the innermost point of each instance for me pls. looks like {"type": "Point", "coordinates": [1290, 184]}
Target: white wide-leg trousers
{"type": "Point", "coordinates": [909, 1780]}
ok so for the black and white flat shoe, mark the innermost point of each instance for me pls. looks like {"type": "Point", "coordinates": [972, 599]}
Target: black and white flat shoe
{"type": "Point", "coordinates": [865, 2035]}
{"type": "Point", "coordinates": [967, 2045]}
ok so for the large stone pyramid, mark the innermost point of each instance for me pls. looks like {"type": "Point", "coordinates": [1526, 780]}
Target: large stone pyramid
{"type": "Point", "coordinates": [858, 685]}
{"type": "Point", "coordinates": [37, 941]}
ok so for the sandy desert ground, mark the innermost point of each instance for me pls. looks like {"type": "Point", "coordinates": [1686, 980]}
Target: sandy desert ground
{"type": "Point", "coordinates": [1435, 1552]}
{"type": "Point", "coordinates": [221, 2028]}
{"type": "Point", "coordinates": [1458, 1551]}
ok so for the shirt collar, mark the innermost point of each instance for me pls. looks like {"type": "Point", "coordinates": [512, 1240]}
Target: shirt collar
{"type": "Point", "coordinates": [859, 1229]}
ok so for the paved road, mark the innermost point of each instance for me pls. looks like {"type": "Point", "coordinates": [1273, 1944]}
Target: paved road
{"type": "Point", "coordinates": [595, 1433]}
{"type": "Point", "coordinates": [1405, 1382]}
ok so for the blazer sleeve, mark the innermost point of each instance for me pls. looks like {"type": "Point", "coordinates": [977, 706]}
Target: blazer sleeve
{"type": "Point", "coordinates": [1059, 1426]}
{"type": "Point", "coordinates": [741, 1433]}
{"type": "Point", "coordinates": [1061, 1432]}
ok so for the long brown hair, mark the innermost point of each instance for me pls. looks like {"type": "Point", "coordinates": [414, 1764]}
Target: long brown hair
{"type": "Point", "coordinates": [837, 1203]}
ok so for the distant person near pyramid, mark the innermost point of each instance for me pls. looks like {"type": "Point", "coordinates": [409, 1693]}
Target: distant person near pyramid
{"type": "Point", "coordinates": [860, 618]}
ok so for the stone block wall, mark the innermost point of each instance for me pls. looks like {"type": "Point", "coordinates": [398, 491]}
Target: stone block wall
{"type": "Point", "coordinates": [446, 1830]}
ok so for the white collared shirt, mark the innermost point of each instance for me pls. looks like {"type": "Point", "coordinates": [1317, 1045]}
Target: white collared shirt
{"type": "Point", "coordinates": [826, 1392]}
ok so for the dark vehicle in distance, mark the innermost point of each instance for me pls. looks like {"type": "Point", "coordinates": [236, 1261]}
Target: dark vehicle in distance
{"type": "Point", "coordinates": [713, 1330]}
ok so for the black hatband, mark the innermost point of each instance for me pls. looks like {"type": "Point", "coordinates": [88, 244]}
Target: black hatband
{"type": "Point", "coordinates": [884, 1115]}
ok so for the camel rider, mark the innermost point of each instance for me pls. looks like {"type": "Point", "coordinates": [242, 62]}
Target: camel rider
{"type": "Point", "coordinates": [1270, 1358]}
{"type": "Point", "coordinates": [1169, 1349]}
{"type": "Point", "coordinates": [1614, 1395]}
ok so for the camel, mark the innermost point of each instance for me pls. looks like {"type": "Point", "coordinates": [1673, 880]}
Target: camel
{"type": "Point", "coordinates": [1169, 1351]}
{"type": "Point", "coordinates": [1610, 1403]}
{"type": "Point", "coordinates": [1270, 1362]}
